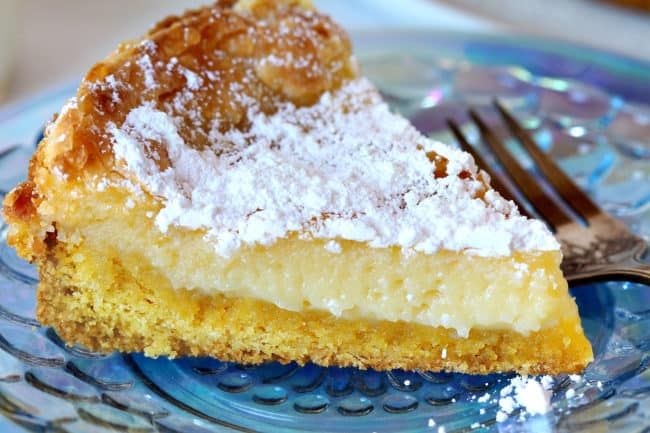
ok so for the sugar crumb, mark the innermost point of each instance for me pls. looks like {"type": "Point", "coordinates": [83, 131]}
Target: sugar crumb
{"type": "Point", "coordinates": [575, 378]}
{"type": "Point", "coordinates": [333, 247]}
{"type": "Point", "coordinates": [526, 393]}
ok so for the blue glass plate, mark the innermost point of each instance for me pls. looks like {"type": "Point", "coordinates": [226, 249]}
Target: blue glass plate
{"type": "Point", "coordinates": [589, 109]}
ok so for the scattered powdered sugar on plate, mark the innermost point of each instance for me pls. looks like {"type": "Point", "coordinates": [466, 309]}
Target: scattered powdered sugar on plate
{"type": "Point", "coordinates": [522, 397]}
{"type": "Point", "coordinates": [527, 393]}
{"type": "Point", "coordinates": [345, 167]}
{"type": "Point", "coordinates": [527, 396]}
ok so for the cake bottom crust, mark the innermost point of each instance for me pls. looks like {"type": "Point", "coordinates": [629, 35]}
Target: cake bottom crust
{"type": "Point", "coordinates": [126, 316]}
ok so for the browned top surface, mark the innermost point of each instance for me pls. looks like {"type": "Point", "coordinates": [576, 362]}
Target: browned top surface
{"type": "Point", "coordinates": [202, 66]}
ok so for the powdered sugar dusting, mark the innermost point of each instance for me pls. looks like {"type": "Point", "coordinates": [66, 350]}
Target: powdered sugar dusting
{"type": "Point", "coordinates": [526, 393]}
{"type": "Point", "coordinates": [147, 69]}
{"type": "Point", "coordinates": [345, 168]}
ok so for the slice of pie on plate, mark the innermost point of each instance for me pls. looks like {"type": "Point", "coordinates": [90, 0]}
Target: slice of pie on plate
{"type": "Point", "coordinates": [229, 185]}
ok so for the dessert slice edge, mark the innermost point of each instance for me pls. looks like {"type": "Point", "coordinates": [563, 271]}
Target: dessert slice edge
{"type": "Point", "coordinates": [117, 275]}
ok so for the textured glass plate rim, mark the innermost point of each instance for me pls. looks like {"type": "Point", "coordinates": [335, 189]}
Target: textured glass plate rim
{"type": "Point", "coordinates": [505, 37]}
{"type": "Point", "coordinates": [366, 40]}
{"type": "Point", "coordinates": [65, 89]}
{"type": "Point", "coordinates": [611, 60]}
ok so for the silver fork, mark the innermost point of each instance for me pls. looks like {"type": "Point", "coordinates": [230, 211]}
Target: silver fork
{"type": "Point", "coordinates": [601, 249]}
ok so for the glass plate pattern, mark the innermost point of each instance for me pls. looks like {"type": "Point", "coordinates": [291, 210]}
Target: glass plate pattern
{"type": "Point", "coordinates": [588, 109]}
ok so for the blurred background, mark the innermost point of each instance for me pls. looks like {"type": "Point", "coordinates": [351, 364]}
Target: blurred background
{"type": "Point", "coordinates": [46, 43]}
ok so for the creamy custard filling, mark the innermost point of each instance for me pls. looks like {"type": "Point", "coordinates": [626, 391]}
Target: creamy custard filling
{"type": "Point", "coordinates": [524, 292]}
{"type": "Point", "coordinates": [360, 282]}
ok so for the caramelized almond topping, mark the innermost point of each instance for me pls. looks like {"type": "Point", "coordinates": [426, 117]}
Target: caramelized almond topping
{"type": "Point", "coordinates": [19, 204]}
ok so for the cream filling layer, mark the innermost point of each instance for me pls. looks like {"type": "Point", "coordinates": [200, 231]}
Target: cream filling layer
{"type": "Point", "coordinates": [524, 292]}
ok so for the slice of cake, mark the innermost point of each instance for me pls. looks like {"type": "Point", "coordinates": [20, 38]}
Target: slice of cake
{"type": "Point", "coordinates": [230, 186]}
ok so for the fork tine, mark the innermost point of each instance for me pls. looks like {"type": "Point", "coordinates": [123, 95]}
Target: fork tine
{"type": "Point", "coordinates": [538, 198]}
{"type": "Point", "coordinates": [495, 179]}
{"type": "Point", "coordinates": [574, 196]}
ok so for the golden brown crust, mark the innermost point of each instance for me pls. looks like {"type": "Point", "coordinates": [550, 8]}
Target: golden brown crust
{"type": "Point", "coordinates": [20, 212]}
{"type": "Point", "coordinates": [128, 317]}
{"type": "Point", "coordinates": [21, 203]}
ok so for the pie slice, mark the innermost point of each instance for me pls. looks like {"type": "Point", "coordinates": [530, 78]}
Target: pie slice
{"type": "Point", "coordinates": [228, 185]}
